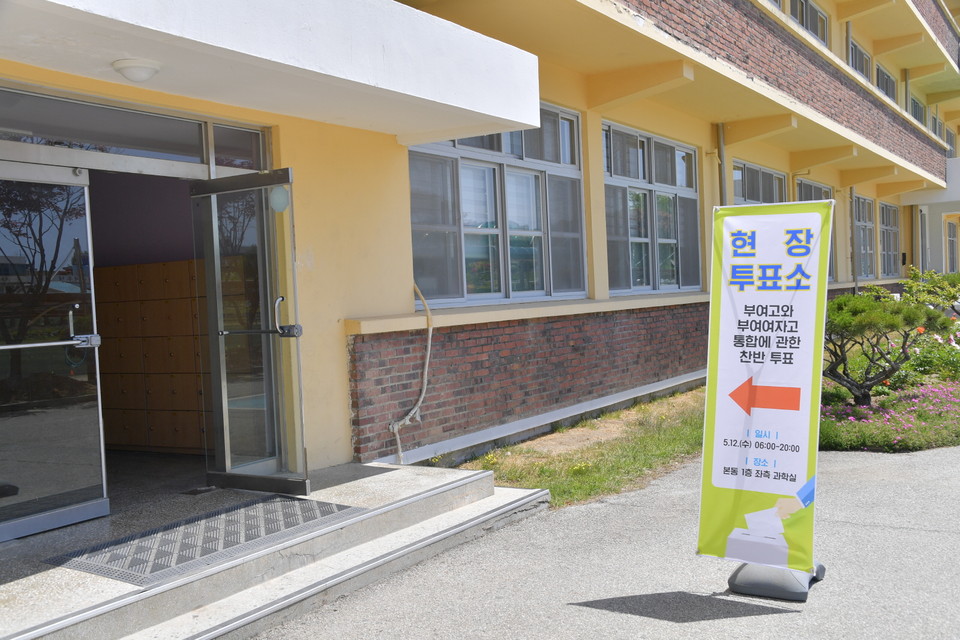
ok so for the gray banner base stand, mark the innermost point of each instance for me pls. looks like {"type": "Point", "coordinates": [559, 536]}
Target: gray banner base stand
{"type": "Point", "coordinates": [771, 582]}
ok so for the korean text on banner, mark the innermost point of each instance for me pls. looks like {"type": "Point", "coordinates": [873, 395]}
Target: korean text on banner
{"type": "Point", "coordinates": [762, 419]}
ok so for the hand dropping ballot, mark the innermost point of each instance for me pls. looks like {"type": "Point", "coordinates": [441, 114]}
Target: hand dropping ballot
{"type": "Point", "coordinates": [762, 542]}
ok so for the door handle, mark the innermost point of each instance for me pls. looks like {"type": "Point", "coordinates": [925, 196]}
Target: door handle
{"type": "Point", "coordinates": [87, 341]}
{"type": "Point", "coordinates": [282, 330]}
{"type": "Point", "coordinates": [90, 341]}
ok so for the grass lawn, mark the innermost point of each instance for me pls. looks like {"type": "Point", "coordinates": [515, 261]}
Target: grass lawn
{"type": "Point", "coordinates": [624, 450]}
{"type": "Point", "coordinates": [613, 453]}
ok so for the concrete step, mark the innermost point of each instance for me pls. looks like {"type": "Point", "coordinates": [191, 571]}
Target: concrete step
{"type": "Point", "coordinates": [399, 500]}
{"type": "Point", "coordinates": [262, 606]}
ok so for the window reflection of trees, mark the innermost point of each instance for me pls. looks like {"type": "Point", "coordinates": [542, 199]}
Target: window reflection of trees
{"type": "Point", "coordinates": [240, 277]}
{"type": "Point", "coordinates": [44, 275]}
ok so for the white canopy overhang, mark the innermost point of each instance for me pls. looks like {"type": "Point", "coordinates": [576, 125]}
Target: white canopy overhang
{"type": "Point", "coordinates": [370, 64]}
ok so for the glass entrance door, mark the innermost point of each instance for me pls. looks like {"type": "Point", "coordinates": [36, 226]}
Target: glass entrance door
{"type": "Point", "coordinates": [244, 239]}
{"type": "Point", "coordinates": [51, 450]}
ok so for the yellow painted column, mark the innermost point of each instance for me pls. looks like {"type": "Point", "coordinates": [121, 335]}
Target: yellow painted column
{"type": "Point", "coordinates": [598, 283]}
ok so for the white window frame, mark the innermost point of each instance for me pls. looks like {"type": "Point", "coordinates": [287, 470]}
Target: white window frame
{"type": "Point", "coordinates": [864, 237]}
{"type": "Point", "coordinates": [951, 242]}
{"type": "Point", "coordinates": [936, 125]}
{"type": "Point", "coordinates": [859, 60]}
{"type": "Point", "coordinates": [923, 250]}
{"type": "Point", "coordinates": [807, 190]}
{"type": "Point", "coordinates": [665, 172]}
{"type": "Point", "coordinates": [886, 82]}
{"type": "Point", "coordinates": [757, 185]}
{"type": "Point", "coordinates": [503, 155]}
{"type": "Point", "coordinates": [918, 110]}
{"type": "Point", "coordinates": [812, 18]}
{"type": "Point", "coordinates": [889, 241]}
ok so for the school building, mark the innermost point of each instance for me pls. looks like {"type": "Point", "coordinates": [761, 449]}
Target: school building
{"type": "Point", "coordinates": [234, 229]}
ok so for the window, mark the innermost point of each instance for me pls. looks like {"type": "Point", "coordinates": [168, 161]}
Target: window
{"type": "Point", "coordinates": [859, 60]}
{"type": "Point", "coordinates": [807, 191]}
{"type": "Point", "coordinates": [889, 240]}
{"type": "Point", "coordinates": [951, 247]}
{"type": "Point", "coordinates": [499, 216]}
{"type": "Point", "coordinates": [923, 251]}
{"type": "Point", "coordinates": [936, 125]}
{"type": "Point", "coordinates": [886, 83]}
{"type": "Point", "coordinates": [653, 232]}
{"type": "Point", "coordinates": [240, 148]}
{"type": "Point", "coordinates": [811, 18]}
{"type": "Point", "coordinates": [752, 184]}
{"type": "Point", "coordinates": [490, 142]}
{"type": "Point", "coordinates": [864, 243]}
{"type": "Point", "coordinates": [918, 110]}
{"type": "Point", "coordinates": [951, 144]}
{"type": "Point", "coordinates": [59, 122]}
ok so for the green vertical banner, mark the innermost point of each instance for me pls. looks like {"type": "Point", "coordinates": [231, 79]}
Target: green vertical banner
{"type": "Point", "coordinates": [768, 295]}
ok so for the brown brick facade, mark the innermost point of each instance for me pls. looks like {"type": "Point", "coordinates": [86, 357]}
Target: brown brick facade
{"type": "Point", "coordinates": [932, 12]}
{"type": "Point", "coordinates": [738, 32]}
{"type": "Point", "coordinates": [490, 374]}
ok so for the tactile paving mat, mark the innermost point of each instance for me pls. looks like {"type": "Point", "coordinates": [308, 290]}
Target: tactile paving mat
{"type": "Point", "coordinates": [165, 553]}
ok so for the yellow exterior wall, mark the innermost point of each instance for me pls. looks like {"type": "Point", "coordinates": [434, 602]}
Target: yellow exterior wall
{"type": "Point", "coordinates": [351, 202]}
{"type": "Point", "coordinates": [351, 206]}
{"type": "Point", "coordinates": [354, 259]}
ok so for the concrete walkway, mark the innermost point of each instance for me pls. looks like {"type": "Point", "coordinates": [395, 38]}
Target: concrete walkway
{"type": "Point", "coordinates": [888, 531]}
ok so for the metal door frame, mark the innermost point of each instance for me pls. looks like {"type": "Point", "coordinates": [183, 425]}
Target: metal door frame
{"type": "Point", "coordinates": [71, 514]}
{"type": "Point", "coordinates": [223, 475]}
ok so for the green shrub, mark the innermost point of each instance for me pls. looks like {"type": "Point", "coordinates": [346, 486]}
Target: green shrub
{"type": "Point", "coordinates": [868, 339]}
{"type": "Point", "coordinates": [936, 356]}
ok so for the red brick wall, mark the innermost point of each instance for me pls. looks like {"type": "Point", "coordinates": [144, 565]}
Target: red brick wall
{"type": "Point", "coordinates": [932, 12]}
{"type": "Point", "coordinates": [486, 375]}
{"type": "Point", "coordinates": [738, 32]}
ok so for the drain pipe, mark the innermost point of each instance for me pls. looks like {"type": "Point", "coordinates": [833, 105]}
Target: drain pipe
{"type": "Point", "coordinates": [414, 413]}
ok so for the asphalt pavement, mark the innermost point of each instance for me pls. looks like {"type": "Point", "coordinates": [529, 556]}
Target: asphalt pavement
{"type": "Point", "coordinates": [887, 531]}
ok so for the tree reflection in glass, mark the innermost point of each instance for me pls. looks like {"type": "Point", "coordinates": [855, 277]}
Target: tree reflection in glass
{"type": "Point", "coordinates": [44, 283]}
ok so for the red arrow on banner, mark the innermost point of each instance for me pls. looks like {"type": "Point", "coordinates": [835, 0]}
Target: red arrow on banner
{"type": "Point", "coordinates": [749, 396]}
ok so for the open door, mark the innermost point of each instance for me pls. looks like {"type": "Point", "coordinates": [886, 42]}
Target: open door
{"type": "Point", "coordinates": [51, 446]}
{"type": "Point", "coordinates": [244, 241]}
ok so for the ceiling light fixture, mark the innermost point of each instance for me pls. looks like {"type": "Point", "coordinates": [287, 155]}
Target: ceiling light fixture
{"type": "Point", "coordinates": [136, 69]}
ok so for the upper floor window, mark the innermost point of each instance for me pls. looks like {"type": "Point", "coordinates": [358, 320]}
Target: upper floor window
{"type": "Point", "coordinates": [752, 184]}
{"type": "Point", "coordinates": [886, 83]}
{"type": "Point", "coordinates": [918, 110]}
{"type": "Point", "coordinates": [859, 60]}
{"type": "Point", "coordinates": [936, 125]}
{"type": "Point", "coordinates": [812, 18]}
{"type": "Point", "coordinates": [652, 212]}
{"type": "Point", "coordinates": [500, 216]}
{"type": "Point", "coordinates": [951, 144]}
